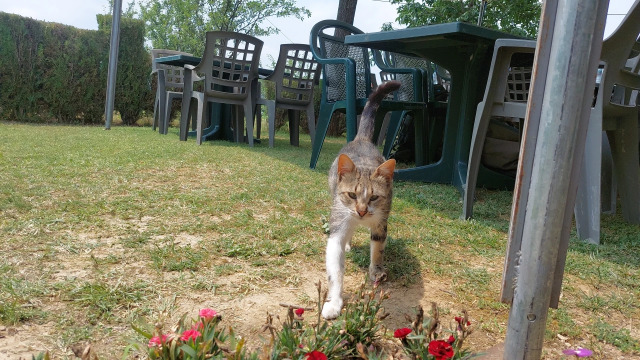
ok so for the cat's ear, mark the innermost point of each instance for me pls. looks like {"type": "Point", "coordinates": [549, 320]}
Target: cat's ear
{"type": "Point", "coordinates": [345, 165]}
{"type": "Point", "coordinates": [386, 169]}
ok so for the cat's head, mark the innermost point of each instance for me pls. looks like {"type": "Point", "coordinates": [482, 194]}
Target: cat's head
{"type": "Point", "coordinates": [365, 192]}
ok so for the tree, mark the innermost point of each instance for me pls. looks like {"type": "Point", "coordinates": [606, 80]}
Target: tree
{"type": "Point", "coordinates": [518, 17]}
{"type": "Point", "coordinates": [347, 10]}
{"type": "Point", "coordinates": [182, 24]}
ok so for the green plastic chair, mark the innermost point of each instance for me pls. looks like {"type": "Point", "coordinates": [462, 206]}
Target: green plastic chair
{"type": "Point", "coordinates": [170, 80]}
{"type": "Point", "coordinates": [347, 81]}
{"type": "Point", "coordinates": [416, 76]}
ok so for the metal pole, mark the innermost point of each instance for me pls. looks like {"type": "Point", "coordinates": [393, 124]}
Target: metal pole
{"type": "Point", "coordinates": [483, 6]}
{"type": "Point", "coordinates": [113, 63]}
{"type": "Point", "coordinates": [563, 118]}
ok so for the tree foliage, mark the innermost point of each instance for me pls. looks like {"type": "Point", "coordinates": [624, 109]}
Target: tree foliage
{"type": "Point", "coordinates": [518, 17]}
{"type": "Point", "coordinates": [182, 24]}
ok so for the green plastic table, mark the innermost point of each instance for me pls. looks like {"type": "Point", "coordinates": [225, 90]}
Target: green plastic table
{"type": "Point", "coordinates": [465, 50]}
{"type": "Point", "coordinates": [218, 112]}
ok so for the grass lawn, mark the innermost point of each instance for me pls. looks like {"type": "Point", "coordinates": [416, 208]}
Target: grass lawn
{"type": "Point", "coordinates": [103, 229]}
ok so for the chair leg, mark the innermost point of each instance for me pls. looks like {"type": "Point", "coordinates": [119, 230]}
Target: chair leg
{"type": "Point", "coordinates": [608, 192]}
{"type": "Point", "coordinates": [294, 127]}
{"type": "Point", "coordinates": [392, 131]}
{"type": "Point", "coordinates": [587, 205]}
{"type": "Point", "coordinates": [321, 133]}
{"type": "Point", "coordinates": [200, 118]}
{"type": "Point", "coordinates": [271, 118]}
{"type": "Point", "coordinates": [258, 125]}
{"type": "Point", "coordinates": [384, 128]}
{"type": "Point", "coordinates": [155, 112]}
{"type": "Point", "coordinates": [624, 149]}
{"type": "Point", "coordinates": [311, 120]}
{"type": "Point", "coordinates": [480, 126]}
{"type": "Point", "coordinates": [162, 109]}
{"type": "Point", "coordinates": [248, 114]}
{"type": "Point", "coordinates": [238, 124]}
{"type": "Point", "coordinates": [167, 113]}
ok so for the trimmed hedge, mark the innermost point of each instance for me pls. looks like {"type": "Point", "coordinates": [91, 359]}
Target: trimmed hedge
{"type": "Point", "coordinates": [56, 73]}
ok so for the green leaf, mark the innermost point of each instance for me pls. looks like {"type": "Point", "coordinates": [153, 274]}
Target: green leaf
{"type": "Point", "coordinates": [189, 351]}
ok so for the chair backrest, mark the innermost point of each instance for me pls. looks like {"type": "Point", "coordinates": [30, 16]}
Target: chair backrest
{"type": "Point", "coordinates": [387, 76]}
{"type": "Point", "coordinates": [173, 75]}
{"type": "Point", "coordinates": [230, 63]}
{"type": "Point", "coordinates": [518, 83]}
{"type": "Point", "coordinates": [295, 74]}
{"type": "Point", "coordinates": [621, 70]}
{"type": "Point", "coordinates": [332, 47]}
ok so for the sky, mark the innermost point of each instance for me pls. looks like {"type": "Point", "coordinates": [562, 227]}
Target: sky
{"type": "Point", "coordinates": [370, 15]}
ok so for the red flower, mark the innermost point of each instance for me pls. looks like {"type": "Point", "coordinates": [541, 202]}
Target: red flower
{"type": "Point", "coordinates": [158, 341]}
{"type": "Point", "coordinates": [460, 320]}
{"type": "Point", "coordinates": [451, 339]}
{"type": "Point", "coordinates": [208, 314]}
{"type": "Point", "coordinates": [315, 355]}
{"type": "Point", "coordinates": [299, 311]}
{"type": "Point", "coordinates": [190, 334]}
{"type": "Point", "coordinates": [401, 333]}
{"type": "Point", "coordinates": [440, 349]}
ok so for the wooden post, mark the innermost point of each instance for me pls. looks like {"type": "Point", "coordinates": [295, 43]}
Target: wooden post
{"type": "Point", "coordinates": [569, 43]}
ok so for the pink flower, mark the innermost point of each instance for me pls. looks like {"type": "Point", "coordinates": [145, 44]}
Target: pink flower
{"type": "Point", "coordinates": [299, 311]}
{"type": "Point", "coordinates": [315, 355]}
{"type": "Point", "coordinates": [190, 334]}
{"type": "Point", "coordinates": [579, 352]}
{"type": "Point", "coordinates": [198, 326]}
{"type": "Point", "coordinates": [208, 314]}
{"type": "Point", "coordinates": [401, 333]}
{"type": "Point", "coordinates": [158, 341]}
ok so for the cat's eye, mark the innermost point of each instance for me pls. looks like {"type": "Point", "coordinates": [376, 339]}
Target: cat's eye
{"type": "Point", "coordinates": [373, 198]}
{"type": "Point", "coordinates": [352, 195]}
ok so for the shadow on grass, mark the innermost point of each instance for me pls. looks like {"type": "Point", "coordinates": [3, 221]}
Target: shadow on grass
{"type": "Point", "coordinates": [403, 268]}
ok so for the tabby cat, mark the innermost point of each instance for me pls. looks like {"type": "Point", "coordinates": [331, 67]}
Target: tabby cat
{"type": "Point", "coordinates": [360, 182]}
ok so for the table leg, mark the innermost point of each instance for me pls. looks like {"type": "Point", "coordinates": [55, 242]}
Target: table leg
{"type": "Point", "coordinates": [186, 100]}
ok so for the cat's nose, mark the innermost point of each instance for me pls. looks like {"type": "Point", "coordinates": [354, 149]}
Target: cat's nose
{"type": "Point", "coordinates": [362, 213]}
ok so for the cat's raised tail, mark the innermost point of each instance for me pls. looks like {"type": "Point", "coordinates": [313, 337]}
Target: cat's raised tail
{"type": "Point", "coordinates": [368, 117]}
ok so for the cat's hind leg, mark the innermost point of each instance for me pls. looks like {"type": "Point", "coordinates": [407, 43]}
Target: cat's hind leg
{"type": "Point", "coordinates": [338, 239]}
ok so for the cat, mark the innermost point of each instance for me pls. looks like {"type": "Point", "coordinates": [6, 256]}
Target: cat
{"type": "Point", "coordinates": [360, 182]}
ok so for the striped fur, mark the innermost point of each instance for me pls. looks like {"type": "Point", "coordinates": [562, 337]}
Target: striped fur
{"type": "Point", "coordinates": [360, 181]}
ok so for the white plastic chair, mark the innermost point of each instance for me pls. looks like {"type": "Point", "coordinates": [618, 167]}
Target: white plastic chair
{"type": "Point", "coordinates": [618, 119]}
{"type": "Point", "coordinates": [494, 104]}
{"type": "Point", "coordinates": [230, 67]}
{"type": "Point", "coordinates": [295, 75]}
{"type": "Point", "coordinates": [617, 115]}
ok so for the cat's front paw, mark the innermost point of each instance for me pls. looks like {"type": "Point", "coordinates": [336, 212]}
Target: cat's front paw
{"type": "Point", "coordinates": [331, 309]}
{"type": "Point", "coordinates": [377, 274]}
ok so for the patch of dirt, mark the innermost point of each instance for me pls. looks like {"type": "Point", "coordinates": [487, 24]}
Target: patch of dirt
{"type": "Point", "coordinates": [244, 299]}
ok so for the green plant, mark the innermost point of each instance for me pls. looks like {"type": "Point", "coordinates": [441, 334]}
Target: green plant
{"type": "Point", "coordinates": [426, 339]}
{"type": "Point", "coordinates": [349, 337]}
{"type": "Point", "coordinates": [618, 337]}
